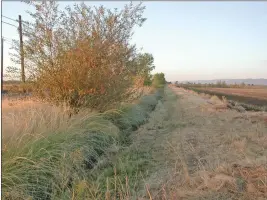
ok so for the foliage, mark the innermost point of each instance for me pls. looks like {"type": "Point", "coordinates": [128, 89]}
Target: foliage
{"type": "Point", "coordinates": [145, 64]}
{"type": "Point", "coordinates": [83, 54]}
{"type": "Point", "coordinates": [218, 84]}
{"type": "Point", "coordinates": [158, 80]}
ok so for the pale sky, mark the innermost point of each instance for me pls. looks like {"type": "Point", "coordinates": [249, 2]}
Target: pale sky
{"type": "Point", "coordinates": [190, 40]}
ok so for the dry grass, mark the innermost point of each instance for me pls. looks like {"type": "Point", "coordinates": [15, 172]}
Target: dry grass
{"type": "Point", "coordinates": [9, 104]}
{"type": "Point", "coordinates": [44, 150]}
{"type": "Point", "coordinates": [235, 181]}
{"type": "Point", "coordinates": [205, 96]}
{"type": "Point", "coordinates": [217, 104]}
{"type": "Point", "coordinates": [185, 152]}
{"type": "Point", "coordinates": [217, 155]}
{"type": "Point", "coordinates": [29, 117]}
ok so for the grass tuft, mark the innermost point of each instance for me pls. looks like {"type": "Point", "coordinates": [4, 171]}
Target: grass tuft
{"type": "Point", "coordinates": [77, 158]}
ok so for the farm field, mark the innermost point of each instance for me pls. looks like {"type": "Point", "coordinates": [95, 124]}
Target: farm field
{"type": "Point", "coordinates": [249, 96]}
{"type": "Point", "coordinates": [217, 150]}
{"type": "Point", "coordinates": [258, 93]}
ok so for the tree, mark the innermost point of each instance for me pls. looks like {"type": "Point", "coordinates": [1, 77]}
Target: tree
{"type": "Point", "coordinates": [81, 55]}
{"type": "Point", "coordinates": [221, 84]}
{"type": "Point", "coordinates": [158, 80]}
{"type": "Point", "coordinates": [144, 65]}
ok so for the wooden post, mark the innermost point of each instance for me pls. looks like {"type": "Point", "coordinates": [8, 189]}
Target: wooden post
{"type": "Point", "coordinates": [21, 51]}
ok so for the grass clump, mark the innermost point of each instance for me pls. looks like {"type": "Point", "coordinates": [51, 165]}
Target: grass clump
{"type": "Point", "coordinates": [78, 162]}
{"type": "Point", "coordinates": [124, 176]}
{"type": "Point", "coordinates": [48, 165]}
{"type": "Point", "coordinates": [129, 117]}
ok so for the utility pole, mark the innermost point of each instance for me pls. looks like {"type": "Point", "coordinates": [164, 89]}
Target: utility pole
{"type": "Point", "coordinates": [21, 51]}
{"type": "Point", "coordinates": [2, 62]}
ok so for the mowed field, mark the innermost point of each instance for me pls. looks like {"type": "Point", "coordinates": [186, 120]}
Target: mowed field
{"type": "Point", "coordinates": [259, 93]}
{"type": "Point", "coordinates": [254, 95]}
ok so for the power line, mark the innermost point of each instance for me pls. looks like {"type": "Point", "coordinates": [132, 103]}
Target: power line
{"type": "Point", "coordinates": [9, 24]}
{"type": "Point", "coordinates": [27, 24]}
{"type": "Point", "coordinates": [24, 22]}
{"type": "Point", "coordinates": [10, 18]}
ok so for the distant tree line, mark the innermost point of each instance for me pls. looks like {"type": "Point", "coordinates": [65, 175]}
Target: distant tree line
{"type": "Point", "coordinates": [218, 84]}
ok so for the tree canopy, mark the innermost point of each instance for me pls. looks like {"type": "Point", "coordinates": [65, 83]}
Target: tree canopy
{"type": "Point", "coordinates": [159, 80]}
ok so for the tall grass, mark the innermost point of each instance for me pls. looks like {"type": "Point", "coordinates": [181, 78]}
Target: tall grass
{"type": "Point", "coordinates": [53, 157]}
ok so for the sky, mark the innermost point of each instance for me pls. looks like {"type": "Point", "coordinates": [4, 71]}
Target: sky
{"type": "Point", "coordinates": [189, 40]}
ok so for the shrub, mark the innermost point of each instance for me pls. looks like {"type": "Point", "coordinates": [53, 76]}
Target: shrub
{"type": "Point", "coordinates": [159, 80]}
{"type": "Point", "coordinates": [83, 55]}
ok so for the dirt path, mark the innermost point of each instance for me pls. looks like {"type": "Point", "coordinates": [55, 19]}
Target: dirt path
{"type": "Point", "coordinates": [202, 152]}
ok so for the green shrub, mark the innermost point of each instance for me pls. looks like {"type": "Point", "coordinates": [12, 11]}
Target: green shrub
{"type": "Point", "coordinates": [159, 80]}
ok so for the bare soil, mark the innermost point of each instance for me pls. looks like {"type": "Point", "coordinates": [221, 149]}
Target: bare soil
{"type": "Point", "coordinates": [258, 93]}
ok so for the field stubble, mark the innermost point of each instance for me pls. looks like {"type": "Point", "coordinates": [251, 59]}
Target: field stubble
{"type": "Point", "coordinates": [220, 153]}
{"type": "Point", "coordinates": [259, 93]}
{"type": "Point", "coordinates": [251, 98]}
